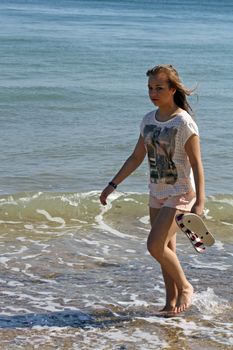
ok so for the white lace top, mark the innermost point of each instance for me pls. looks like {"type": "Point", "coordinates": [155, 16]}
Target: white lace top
{"type": "Point", "coordinates": [169, 167]}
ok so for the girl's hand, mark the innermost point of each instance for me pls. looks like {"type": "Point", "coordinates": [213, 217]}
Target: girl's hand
{"type": "Point", "coordinates": [104, 195]}
{"type": "Point", "coordinates": [198, 208]}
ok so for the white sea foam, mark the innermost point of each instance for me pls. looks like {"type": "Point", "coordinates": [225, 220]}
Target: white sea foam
{"type": "Point", "coordinates": [130, 200]}
{"type": "Point", "coordinates": [10, 222]}
{"type": "Point", "coordinates": [29, 227]}
{"type": "Point", "coordinates": [50, 218]}
{"type": "Point", "coordinates": [145, 220]}
{"type": "Point", "coordinates": [29, 198]}
{"type": "Point", "coordinates": [74, 198]}
{"type": "Point", "coordinates": [137, 336]}
{"type": "Point", "coordinates": [89, 242]}
{"type": "Point", "coordinates": [135, 301]}
{"type": "Point", "coordinates": [80, 221]}
{"type": "Point", "coordinates": [72, 202]}
{"type": "Point", "coordinates": [25, 271]}
{"type": "Point", "coordinates": [221, 334]}
{"type": "Point", "coordinates": [198, 264]}
{"type": "Point", "coordinates": [100, 218]}
{"type": "Point", "coordinates": [206, 212]}
{"type": "Point", "coordinates": [14, 283]}
{"type": "Point", "coordinates": [219, 245]}
{"type": "Point", "coordinates": [131, 251]}
{"type": "Point", "coordinates": [92, 257]}
{"type": "Point", "coordinates": [209, 304]}
{"type": "Point", "coordinates": [8, 200]}
{"type": "Point", "coordinates": [106, 250]}
{"type": "Point", "coordinates": [227, 223]}
{"type": "Point", "coordinates": [15, 269]}
{"type": "Point", "coordinates": [222, 200]}
{"type": "Point", "coordinates": [26, 257]}
{"type": "Point", "coordinates": [21, 250]}
{"type": "Point", "coordinates": [4, 260]}
{"type": "Point", "coordinates": [12, 310]}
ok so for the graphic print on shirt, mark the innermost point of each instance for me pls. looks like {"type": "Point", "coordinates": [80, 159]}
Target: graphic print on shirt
{"type": "Point", "coordinates": [160, 143]}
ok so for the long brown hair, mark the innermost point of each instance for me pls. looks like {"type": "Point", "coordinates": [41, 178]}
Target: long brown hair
{"type": "Point", "coordinates": [180, 96]}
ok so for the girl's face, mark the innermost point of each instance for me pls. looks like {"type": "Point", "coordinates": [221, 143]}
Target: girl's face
{"type": "Point", "coordinates": [160, 93]}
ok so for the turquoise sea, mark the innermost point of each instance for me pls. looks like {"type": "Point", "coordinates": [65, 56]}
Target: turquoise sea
{"type": "Point", "coordinates": [73, 91]}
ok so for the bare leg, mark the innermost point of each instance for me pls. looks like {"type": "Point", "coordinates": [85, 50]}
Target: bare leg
{"type": "Point", "coordinates": [163, 229]}
{"type": "Point", "coordinates": [170, 286]}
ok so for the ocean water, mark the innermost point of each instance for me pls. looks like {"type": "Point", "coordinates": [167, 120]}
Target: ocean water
{"type": "Point", "coordinates": [73, 91]}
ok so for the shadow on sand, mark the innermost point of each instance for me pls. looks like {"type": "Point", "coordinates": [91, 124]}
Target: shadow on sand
{"type": "Point", "coordinates": [67, 318]}
{"type": "Point", "coordinates": [70, 318]}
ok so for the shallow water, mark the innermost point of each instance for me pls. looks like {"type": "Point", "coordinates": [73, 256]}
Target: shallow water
{"type": "Point", "coordinates": [73, 91]}
{"type": "Point", "coordinates": [72, 278]}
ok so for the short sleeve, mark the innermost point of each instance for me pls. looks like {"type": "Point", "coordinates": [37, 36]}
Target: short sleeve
{"type": "Point", "coordinates": [190, 128]}
{"type": "Point", "coordinates": [142, 126]}
{"type": "Point", "coordinates": [147, 119]}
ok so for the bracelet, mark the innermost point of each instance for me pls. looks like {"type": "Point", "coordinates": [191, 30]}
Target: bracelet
{"type": "Point", "coordinates": [112, 184]}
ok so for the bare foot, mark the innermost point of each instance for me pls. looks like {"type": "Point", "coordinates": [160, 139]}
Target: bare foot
{"type": "Point", "coordinates": [168, 308]}
{"type": "Point", "coordinates": [184, 299]}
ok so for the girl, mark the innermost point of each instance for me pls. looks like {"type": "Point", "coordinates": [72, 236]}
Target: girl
{"type": "Point", "coordinates": [170, 138]}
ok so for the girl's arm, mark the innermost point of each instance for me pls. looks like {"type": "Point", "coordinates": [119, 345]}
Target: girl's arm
{"type": "Point", "coordinates": [131, 164]}
{"type": "Point", "coordinates": [193, 151]}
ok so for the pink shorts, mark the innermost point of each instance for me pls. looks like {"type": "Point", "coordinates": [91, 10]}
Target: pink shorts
{"type": "Point", "coordinates": [183, 202]}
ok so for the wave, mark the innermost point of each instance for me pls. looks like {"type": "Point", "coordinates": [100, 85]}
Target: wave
{"type": "Point", "coordinates": [64, 208]}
